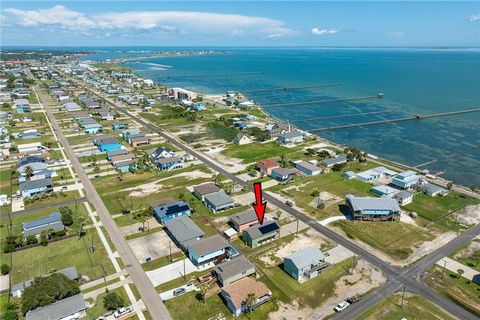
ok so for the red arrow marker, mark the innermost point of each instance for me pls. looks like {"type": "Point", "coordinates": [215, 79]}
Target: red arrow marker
{"type": "Point", "coordinates": [258, 206]}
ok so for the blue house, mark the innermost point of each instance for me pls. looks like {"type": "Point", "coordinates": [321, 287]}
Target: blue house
{"type": "Point", "coordinates": [92, 128]}
{"type": "Point", "coordinates": [33, 187]}
{"type": "Point", "coordinates": [169, 163]}
{"type": "Point", "coordinates": [373, 208]}
{"type": "Point", "coordinates": [119, 126]}
{"type": "Point", "coordinates": [199, 106]}
{"type": "Point", "coordinates": [208, 250]}
{"type": "Point", "coordinates": [171, 211]}
{"type": "Point", "coordinates": [126, 166]}
{"type": "Point", "coordinates": [405, 180]}
{"type": "Point", "coordinates": [22, 106]}
{"type": "Point", "coordinates": [282, 174]}
{"type": "Point", "coordinates": [107, 144]}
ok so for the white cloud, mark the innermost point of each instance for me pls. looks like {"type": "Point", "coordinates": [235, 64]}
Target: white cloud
{"type": "Point", "coordinates": [474, 17]}
{"type": "Point", "coordinates": [397, 34]}
{"type": "Point", "coordinates": [163, 21]}
{"type": "Point", "coordinates": [322, 32]}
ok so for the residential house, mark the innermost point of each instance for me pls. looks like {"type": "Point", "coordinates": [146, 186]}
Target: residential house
{"type": "Point", "coordinates": [260, 234]}
{"type": "Point", "coordinates": [266, 166]}
{"type": "Point", "coordinates": [233, 270]}
{"type": "Point", "coordinates": [52, 223]}
{"type": "Point", "coordinates": [278, 129]}
{"type": "Point", "coordinates": [122, 158]}
{"type": "Point", "coordinates": [92, 128]}
{"type": "Point", "coordinates": [383, 190]}
{"type": "Point", "coordinates": [170, 163]}
{"type": "Point", "coordinates": [236, 295]}
{"type": "Point", "coordinates": [403, 197]}
{"type": "Point", "coordinates": [159, 153]}
{"type": "Point", "coordinates": [305, 264]}
{"type": "Point", "coordinates": [31, 148]}
{"type": "Point", "coordinates": [33, 187]}
{"type": "Point", "coordinates": [349, 175]}
{"type": "Point", "coordinates": [183, 231]}
{"type": "Point", "coordinates": [219, 201]}
{"type": "Point", "coordinates": [17, 289]}
{"type": "Point", "coordinates": [72, 106]}
{"type": "Point", "coordinates": [283, 174]}
{"type": "Point", "coordinates": [289, 138]}
{"type": "Point", "coordinates": [243, 220]}
{"type": "Point", "coordinates": [29, 135]}
{"type": "Point", "coordinates": [433, 190]}
{"type": "Point", "coordinates": [307, 167]}
{"type": "Point", "coordinates": [242, 139]}
{"type": "Point", "coordinates": [125, 166]}
{"type": "Point", "coordinates": [171, 211]}
{"type": "Point", "coordinates": [39, 170]}
{"type": "Point", "coordinates": [213, 249]}
{"type": "Point", "coordinates": [374, 174]}
{"type": "Point", "coordinates": [107, 115]}
{"type": "Point", "coordinates": [138, 140]}
{"type": "Point", "coordinates": [338, 159]}
{"type": "Point", "coordinates": [406, 179]}
{"type": "Point", "coordinates": [117, 152]}
{"type": "Point", "coordinates": [30, 159]}
{"type": "Point", "coordinates": [372, 208]}
{"type": "Point", "coordinates": [107, 143]}
{"type": "Point", "coordinates": [22, 106]}
{"type": "Point", "coordinates": [205, 189]}
{"type": "Point", "coordinates": [69, 308]}
{"type": "Point", "coordinates": [119, 126]}
{"type": "Point", "coordinates": [199, 106]}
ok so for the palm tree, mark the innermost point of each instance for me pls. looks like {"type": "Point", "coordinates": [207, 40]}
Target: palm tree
{"type": "Point", "coordinates": [29, 171]}
{"type": "Point", "coordinates": [449, 186]}
{"type": "Point", "coordinates": [251, 299]}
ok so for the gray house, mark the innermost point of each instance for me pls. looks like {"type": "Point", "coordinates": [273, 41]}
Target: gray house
{"type": "Point", "coordinates": [233, 270]}
{"type": "Point", "coordinates": [219, 201]}
{"type": "Point", "coordinates": [183, 231]}
{"type": "Point", "coordinates": [290, 137]}
{"type": "Point", "coordinates": [69, 308]}
{"type": "Point", "coordinates": [305, 264]}
{"type": "Point", "coordinates": [34, 228]}
{"type": "Point", "coordinates": [205, 189]}
{"type": "Point", "coordinates": [33, 187]}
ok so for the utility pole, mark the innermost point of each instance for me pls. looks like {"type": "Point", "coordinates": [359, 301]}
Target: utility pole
{"type": "Point", "coordinates": [184, 272]}
{"type": "Point", "coordinates": [403, 295]}
{"type": "Point", "coordinates": [296, 235]}
{"type": "Point", "coordinates": [170, 245]}
{"type": "Point", "coordinates": [353, 263]}
{"type": "Point", "coordinates": [444, 266]}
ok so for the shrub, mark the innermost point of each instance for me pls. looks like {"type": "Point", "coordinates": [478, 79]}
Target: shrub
{"type": "Point", "coordinates": [32, 240]}
{"type": "Point", "coordinates": [112, 301]}
{"type": "Point", "coordinates": [67, 218]}
{"type": "Point", "coordinates": [10, 315]}
{"type": "Point", "coordinates": [5, 269]}
{"type": "Point", "coordinates": [8, 247]}
{"type": "Point", "coordinates": [43, 240]}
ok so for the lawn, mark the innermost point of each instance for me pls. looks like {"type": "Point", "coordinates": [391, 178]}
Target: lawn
{"type": "Point", "coordinates": [220, 131]}
{"type": "Point", "coordinates": [37, 261]}
{"type": "Point", "coordinates": [55, 197]}
{"type": "Point", "coordinates": [394, 238]}
{"type": "Point", "coordinates": [414, 308]}
{"type": "Point", "coordinates": [163, 261]}
{"type": "Point", "coordinates": [188, 307]}
{"type": "Point", "coordinates": [98, 309]}
{"type": "Point", "coordinates": [256, 151]}
{"type": "Point", "coordinates": [468, 259]}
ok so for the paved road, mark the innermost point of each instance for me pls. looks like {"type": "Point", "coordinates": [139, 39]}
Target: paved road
{"type": "Point", "coordinates": [397, 278]}
{"type": "Point", "coordinates": [152, 300]}
{"type": "Point", "coordinates": [48, 206]}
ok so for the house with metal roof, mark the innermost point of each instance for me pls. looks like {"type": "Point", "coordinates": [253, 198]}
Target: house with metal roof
{"type": "Point", "coordinates": [183, 231]}
{"type": "Point", "coordinates": [307, 167]}
{"type": "Point", "coordinates": [33, 187]}
{"type": "Point", "coordinates": [406, 179]}
{"type": "Point", "coordinates": [117, 152]}
{"type": "Point", "coordinates": [243, 220]}
{"type": "Point", "coordinates": [338, 159]}
{"type": "Point", "coordinates": [205, 189]}
{"type": "Point", "coordinates": [72, 106]}
{"type": "Point", "coordinates": [119, 126]}
{"type": "Point", "coordinates": [289, 138]}
{"type": "Point", "coordinates": [403, 197]}
{"type": "Point", "coordinates": [260, 234]}
{"type": "Point", "coordinates": [372, 208]}
{"type": "Point", "coordinates": [233, 270]}
{"type": "Point", "coordinates": [208, 250]}
{"type": "Point", "coordinates": [30, 159]}
{"type": "Point", "coordinates": [219, 201]}
{"type": "Point", "coordinates": [170, 163]}
{"type": "Point", "coordinates": [35, 227]}
{"type": "Point", "coordinates": [107, 143]}
{"type": "Point", "coordinates": [22, 106]}
{"type": "Point", "coordinates": [69, 308]}
{"type": "Point", "coordinates": [305, 264]}
{"type": "Point", "coordinates": [283, 174]}
{"type": "Point", "coordinates": [384, 191]}
{"type": "Point", "coordinates": [433, 190]}
{"type": "Point", "coordinates": [17, 289]}
{"type": "Point", "coordinates": [171, 211]}
{"type": "Point", "coordinates": [236, 294]}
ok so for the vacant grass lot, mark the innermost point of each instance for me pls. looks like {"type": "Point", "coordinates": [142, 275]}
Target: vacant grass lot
{"type": "Point", "coordinates": [470, 259]}
{"type": "Point", "coordinates": [394, 238]}
{"type": "Point", "coordinates": [414, 307]}
{"type": "Point", "coordinates": [37, 261]}
{"type": "Point", "coordinates": [256, 151]}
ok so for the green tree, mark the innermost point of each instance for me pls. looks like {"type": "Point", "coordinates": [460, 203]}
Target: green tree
{"type": "Point", "coordinates": [29, 171]}
{"type": "Point", "coordinates": [315, 193]}
{"type": "Point", "coordinates": [460, 272]}
{"type": "Point", "coordinates": [449, 186]}
{"type": "Point", "coordinates": [5, 269]}
{"type": "Point", "coordinates": [31, 239]}
{"type": "Point", "coordinates": [67, 218]}
{"type": "Point", "coordinates": [251, 299]}
{"type": "Point", "coordinates": [10, 315]}
{"type": "Point", "coordinates": [112, 301]}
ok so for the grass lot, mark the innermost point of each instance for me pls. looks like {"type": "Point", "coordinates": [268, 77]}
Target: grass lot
{"type": "Point", "coordinates": [414, 308]}
{"type": "Point", "coordinates": [470, 259]}
{"type": "Point", "coordinates": [37, 261]}
{"type": "Point", "coordinates": [188, 307]}
{"type": "Point", "coordinates": [98, 309]}
{"type": "Point", "coordinates": [6, 187]}
{"type": "Point", "coordinates": [394, 238]}
{"type": "Point", "coordinates": [256, 151]}
{"type": "Point", "coordinates": [163, 261]}
{"type": "Point", "coordinates": [220, 131]}
{"type": "Point", "coordinates": [460, 290]}
{"type": "Point", "coordinates": [60, 197]}
{"type": "Point", "coordinates": [431, 208]}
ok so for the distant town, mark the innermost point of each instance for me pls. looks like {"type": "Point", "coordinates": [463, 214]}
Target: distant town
{"type": "Point", "coordinates": [124, 198]}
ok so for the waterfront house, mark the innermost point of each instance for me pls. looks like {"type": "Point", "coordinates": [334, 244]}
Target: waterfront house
{"type": "Point", "coordinates": [406, 179]}
{"type": "Point", "coordinates": [266, 166]}
{"type": "Point", "coordinates": [33, 187]}
{"type": "Point", "coordinates": [171, 211]}
{"type": "Point", "coordinates": [107, 143]}
{"type": "Point", "coordinates": [338, 159]}
{"type": "Point", "coordinates": [219, 201]}
{"type": "Point", "coordinates": [233, 270]}
{"type": "Point", "coordinates": [305, 264]}
{"type": "Point", "coordinates": [52, 223]}
{"type": "Point", "coordinates": [213, 249]}
{"type": "Point", "coordinates": [199, 106]}
{"type": "Point", "coordinates": [383, 190]}
{"type": "Point", "coordinates": [372, 208]}
{"type": "Point", "coordinates": [307, 167]}
{"type": "Point", "coordinates": [289, 138]}
{"type": "Point", "coordinates": [241, 139]}
{"type": "Point", "coordinates": [283, 174]}
{"type": "Point", "coordinates": [236, 295]}
{"type": "Point", "coordinates": [433, 190]}
{"type": "Point", "coordinates": [260, 234]}
{"type": "Point", "coordinates": [22, 106]}
{"type": "Point", "coordinates": [403, 197]}
{"type": "Point", "coordinates": [205, 189]}
{"type": "Point", "coordinates": [171, 163]}
{"type": "Point", "coordinates": [243, 220]}
{"type": "Point", "coordinates": [119, 126]}
{"type": "Point", "coordinates": [278, 129]}
{"type": "Point", "coordinates": [183, 231]}
{"type": "Point", "coordinates": [69, 308]}
{"type": "Point", "coordinates": [374, 174]}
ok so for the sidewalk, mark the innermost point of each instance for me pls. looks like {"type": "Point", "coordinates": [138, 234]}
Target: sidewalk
{"type": "Point", "coordinates": [453, 266]}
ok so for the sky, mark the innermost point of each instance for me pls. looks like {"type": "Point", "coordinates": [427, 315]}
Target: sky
{"type": "Point", "coordinates": [240, 23]}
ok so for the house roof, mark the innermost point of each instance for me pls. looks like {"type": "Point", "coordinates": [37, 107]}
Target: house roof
{"type": "Point", "coordinates": [385, 189]}
{"type": "Point", "coordinates": [306, 257]}
{"type": "Point", "coordinates": [171, 208]}
{"type": "Point", "coordinates": [120, 157]}
{"type": "Point", "coordinates": [259, 230]}
{"type": "Point", "coordinates": [183, 229]}
{"type": "Point", "coordinates": [107, 140]}
{"type": "Point", "coordinates": [371, 203]}
{"type": "Point", "coordinates": [432, 188]}
{"type": "Point", "coordinates": [34, 184]}
{"type": "Point", "coordinates": [218, 198]}
{"type": "Point", "coordinates": [244, 217]}
{"type": "Point", "coordinates": [168, 160]}
{"type": "Point", "coordinates": [307, 165]}
{"type": "Point", "coordinates": [208, 245]}
{"type": "Point", "coordinates": [403, 195]}
{"type": "Point", "coordinates": [291, 135]}
{"type": "Point", "coordinates": [52, 218]}
{"type": "Point", "coordinates": [30, 159]}
{"type": "Point", "coordinates": [59, 309]}
{"type": "Point", "coordinates": [233, 267]}
{"type": "Point", "coordinates": [239, 290]}
{"type": "Point", "coordinates": [284, 171]}
{"type": "Point", "coordinates": [114, 153]}
{"type": "Point", "coordinates": [70, 273]}
{"type": "Point", "coordinates": [337, 159]}
{"type": "Point", "coordinates": [206, 188]}
{"type": "Point", "coordinates": [267, 163]}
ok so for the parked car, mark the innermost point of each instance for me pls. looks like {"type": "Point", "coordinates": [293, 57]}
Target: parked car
{"type": "Point", "coordinates": [64, 188]}
{"type": "Point", "coordinates": [289, 203]}
{"type": "Point", "coordinates": [125, 212]}
{"type": "Point", "coordinates": [122, 311]}
{"type": "Point", "coordinates": [341, 306]}
{"type": "Point", "coordinates": [353, 299]}
{"type": "Point", "coordinates": [179, 291]}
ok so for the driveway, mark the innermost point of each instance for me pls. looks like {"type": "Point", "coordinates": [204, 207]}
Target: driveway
{"type": "Point", "coordinates": [169, 294]}
{"type": "Point", "coordinates": [331, 219]}
{"type": "Point", "coordinates": [338, 254]}
{"type": "Point", "coordinates": [171, 272]}
{"type": "Point", "coordinates": [155, 245]}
